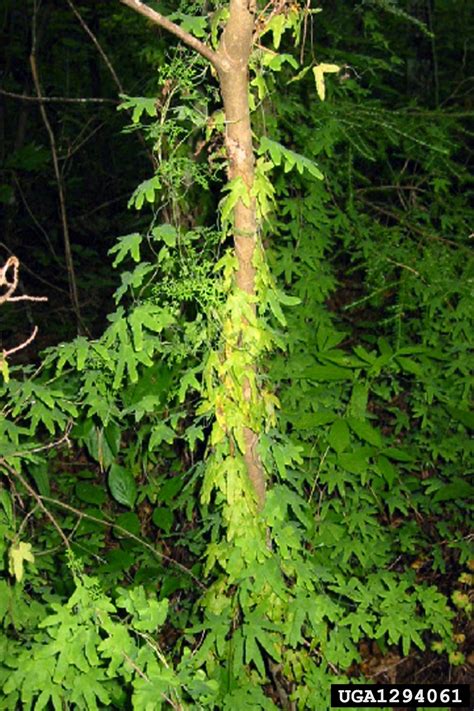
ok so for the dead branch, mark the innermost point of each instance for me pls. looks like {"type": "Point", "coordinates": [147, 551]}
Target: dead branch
{"type": "Point", "coordinates": [9, 275]}
{"type": "Point", "coordinates": [12, 264]}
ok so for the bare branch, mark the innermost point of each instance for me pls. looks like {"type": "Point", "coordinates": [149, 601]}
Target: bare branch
{"type": "Point", "coordinates": [9, 280]}
{"type": "Point", "coordinates": [158, 19]}
{"type": "Point", "coordinates": [25, 297]}
{"type": "Point", "coordinates": [58, 99]}
{"type": "Point", "coordinates": [25, 343]}
{"type": "Point", "coordinates": [37, 498]}
{"type": "Point", "coordinates": [34, 274]}
{"type": "Point", "coordinates": [61, 193]}
{"type": "Point", "coordinates": [12, 264]}
{"type": "Point", "coordinates": [124, 532]}
{"type": "Point", "coordinates": [111, 69]}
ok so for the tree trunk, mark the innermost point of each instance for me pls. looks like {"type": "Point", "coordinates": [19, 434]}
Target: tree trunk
{"type": "Point", "coordinates": [233, 59]}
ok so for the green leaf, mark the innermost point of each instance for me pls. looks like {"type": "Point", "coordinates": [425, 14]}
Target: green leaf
{"type": "Point", "coordinates": [170, 488]}
{"type": "Point", "coordinates": [358, 402]}
{"type": "Point", "coordinates": [82, 346]}
{"type": "Point", "coordinates": [117, 559]}
{"type": "Point", "coordinates": [290, 159]}
{"type": "Point", "coordinates": [188, 382]}
{"type": "Point", "coordinates": [160, 433]}
{"type": "Point", "coordinates": [122, 485]}
{"type": "Point", "coordinates": [4, 370]}
{"type": "Point", "coordinates": [138, 105]}
{"type": "Point", "coordinates": [410, 366]}
{"type": "Point", "coordinates": [276, 26]}
{"type": "Point", "coordinates": [458, 489]}
{"type": "Point", "coordinates": [40, 474]}
{"type": "Point", "coordinates": [152, 616]}
{"type": "Point", "coordinates": [276, 62]}
{"type": "Point", "coordinates": [355, 462]}
{"type": "Point", "coordinates": [129, 244]}
{"type": "Point", "coordinates": [398, 454]}
{"type": "Point", "coordinates": [5, 601]}
{"type": "Point", "coordinates": [29, 157]}
{"type": "Point", "coordinates": [275, 307]}
{"type": "Point", "coordinates": [365, 431]}
{"type": "Point", "coordinates": [145, 191]}
{"type": "Point", "coordinates": [461, 415]}
{"type": "Point", "coordinates": [130, 522]}
{"type": "Point", "coordinates": [7, 195]}
{"type": "Point", "coordinates": [194, 434]}
{"type": "Point", "coordinates": [217, 18]}
{"type": "Point", "coordinates": [7, 505]}
{"type": "Point", "coordinates": [163, 518]}
{"type": "Point", "coordinates": [89, 493]}
{"type": "Point", "coordinates": [287, 299]}
{"type": "Point", "coordinates": [339, 437]}
{"type": "Point", "coordinates": [237, 191]}
{"type": "Point", "coordinates": [165, 233]}
{"type": "Point", "coordinates": [194, 24]}
{"type": "Point", "coordinates": [387, 470]}
{"type": "Point", "coordinates": [326, 372]}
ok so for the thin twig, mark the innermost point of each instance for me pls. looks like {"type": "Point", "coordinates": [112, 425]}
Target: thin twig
{"type": "Point", "coordinates": [30, 339]}
{"type": "Point", "coordinates": [36, 221]}
{"type": "Point", "coordinates": [57, 99]}
{"type": "Point", "coordinates": [97, 45]}
{"type": "Point", "coordinates": [9, 276]}
{"type": "Point", "coordinates": [61, 189]}
{"type": "Point", "coordinates": [125, 532]}
{"type": "Point", "coordinates": [25, 297]}
{"type": "Point", "coordinates": [410, 226]}
{"type": "Point", "coordinates": [79, 141]}
{"type": "Point", "coordinates": [305, 29]}
{"type": "Point", "coordinates": [37, 498]}
{"type": "Point", "coordinates": [81, 514]}
{"type": "Point", "coordinates": [111, 69]}
{"type": "Point", "coordinates": [12, 264]}
{"type": "Point", "coordinates": [50, 445]}
{"type": "Point", "coordinates": [403, 266]}
{"type": "Point", "coordinates": [33, 274]}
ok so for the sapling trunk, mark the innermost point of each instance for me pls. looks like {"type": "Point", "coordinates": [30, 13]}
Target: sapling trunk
{"type": "Point", "coordinates": [231, 61]}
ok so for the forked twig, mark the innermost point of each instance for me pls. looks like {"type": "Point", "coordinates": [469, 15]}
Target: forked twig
{"type": "Point", "coordinates": [9, 275]}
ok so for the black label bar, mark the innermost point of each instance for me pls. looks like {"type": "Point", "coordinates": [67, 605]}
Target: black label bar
{"type": "Point", "coordinates": [380, 696]}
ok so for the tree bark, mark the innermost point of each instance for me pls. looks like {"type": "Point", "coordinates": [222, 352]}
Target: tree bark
{"type": "Point", "coordinates": [233, 69]}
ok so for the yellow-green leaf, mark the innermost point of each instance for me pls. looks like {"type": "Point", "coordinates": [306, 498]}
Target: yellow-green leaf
{"type": "Point", "coordinates": [319, 71]}
{"type": "Point", "coordinates": [4, 369]}
{"type": "Point", "coordinates": [17, 555]}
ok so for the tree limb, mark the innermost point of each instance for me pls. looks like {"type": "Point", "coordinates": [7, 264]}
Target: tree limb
{"type": "Point", "coordinates": [158, 19]}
